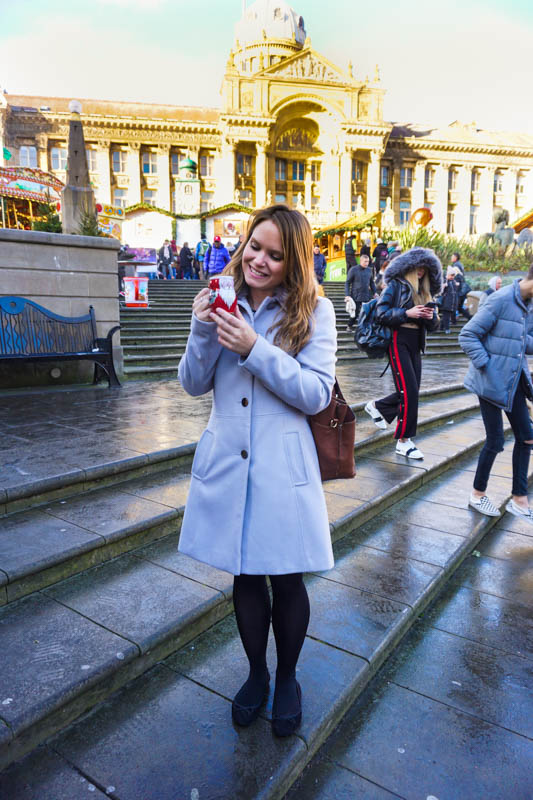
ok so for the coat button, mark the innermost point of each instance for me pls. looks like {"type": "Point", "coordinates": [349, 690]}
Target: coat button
{"type": "Point", "coordinates": [244, 401]}
{"type": "Point", "coordinates": [244, 453]}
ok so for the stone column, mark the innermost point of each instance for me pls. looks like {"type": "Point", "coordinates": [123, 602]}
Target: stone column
{"type": "Point", "coordinates": [308, 185]}
{"type": "Point", "coordinates": [509, 191]}
{"type": "Point", "coordinates": [346, 182]}
{"type": "Point", "coordinates": [396, 166]}
{"type": "Point", "coordinates": [440, 206]}
{"type": "Point", "coordinates": [41, 142]}
{"type": "Point", "coordinates": [163, 173]}
{"type": "Point", "coordinates": [225, 174]}
{"type": "Point", "coordinates": [260, 175]}
{"type": "Point", "coordinates": [462, 208]}
{"type": "Point", "coordinates": [133, 169]}
{"type": "Point", "coordinates": [486, 200]}
{"type": "Point", "coordinates": [372, 181]}
{"type": "Point", "coordinates": [104, 173]}
{"type": "Point", "coordinates": [418, 188]}
{"type": "Point", "coordinates": [330, 182]}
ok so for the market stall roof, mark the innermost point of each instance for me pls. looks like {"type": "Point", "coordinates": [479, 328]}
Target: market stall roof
{"type": "Point", "coordinates": [30, 183]}
{"type": "Point", "coordinates": [525, 221]}
{"type": "Point", "coordinates": [355, 223]}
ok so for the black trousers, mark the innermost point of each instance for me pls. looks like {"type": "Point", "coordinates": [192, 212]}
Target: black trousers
{"type": "Point", "coordinates": [445, 320]}
{"type": "Point", "coordinates": [406, 366]}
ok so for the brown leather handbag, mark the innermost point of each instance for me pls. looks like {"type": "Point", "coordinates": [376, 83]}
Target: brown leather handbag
{"type": "Point", "coordinates": [333, 430]}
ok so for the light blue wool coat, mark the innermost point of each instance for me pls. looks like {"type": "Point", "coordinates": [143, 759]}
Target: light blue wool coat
{"type": "Point", "coordinates": [256, 504]}
{"type": "Point", "coordinates": [497, 340]}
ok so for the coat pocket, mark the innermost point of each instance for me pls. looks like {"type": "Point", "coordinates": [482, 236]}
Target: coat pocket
{"type": "Point", "coordinates": [202, 456]}
{"type": "Point", "coordinates": [295, 458]}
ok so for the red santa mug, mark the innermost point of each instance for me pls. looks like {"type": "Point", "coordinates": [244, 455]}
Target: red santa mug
{"type": "Point", "coordinates": [222, 293]}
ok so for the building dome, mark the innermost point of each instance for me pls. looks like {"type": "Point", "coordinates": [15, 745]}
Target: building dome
{"type": "Point", "coordinates": [270, 19]}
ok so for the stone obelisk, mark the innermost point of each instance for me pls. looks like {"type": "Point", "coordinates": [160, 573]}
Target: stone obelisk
{"type": "Point", "coordinates": [77, 198]}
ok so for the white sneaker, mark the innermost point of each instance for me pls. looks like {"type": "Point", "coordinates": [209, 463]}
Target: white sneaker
{"type": "Point", "coordinates": [484, 505]}
{"type": "Point", "coordinates": [409, 449]}
{"type": "Point", "coordinates": [518, 511]}
{"type": "Point", "coordinates": [378, 420]}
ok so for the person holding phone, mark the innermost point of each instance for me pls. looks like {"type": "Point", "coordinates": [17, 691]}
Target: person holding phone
{"type": "Point", "coordinates": [406, 305]}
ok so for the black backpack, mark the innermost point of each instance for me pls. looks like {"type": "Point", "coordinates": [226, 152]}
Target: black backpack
{"type": "Point", "coordinates": [370, 336]}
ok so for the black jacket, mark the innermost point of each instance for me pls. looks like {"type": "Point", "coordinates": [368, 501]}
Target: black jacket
{"type": "Point", "coordinates": [360, 284]}
{"type": "Point", "coordinates": [450, 295]}
{"type": "Point", "coordinates": [349, 252]}
{"type": "Point", "coordinates": [185, 257]}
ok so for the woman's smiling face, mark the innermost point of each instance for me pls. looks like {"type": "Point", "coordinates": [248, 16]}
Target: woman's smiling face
{"type": "Point", "coordinates": [263, 263]}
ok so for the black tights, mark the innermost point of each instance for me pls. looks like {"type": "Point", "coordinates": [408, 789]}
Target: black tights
{"type": "Point", "coordinates": [290, 618]}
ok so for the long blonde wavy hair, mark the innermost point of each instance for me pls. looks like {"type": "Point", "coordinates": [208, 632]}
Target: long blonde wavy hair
{"type": "Point", "coordinates": [294, 327]}
{"type": "Point", "coordinates": [420, 287]}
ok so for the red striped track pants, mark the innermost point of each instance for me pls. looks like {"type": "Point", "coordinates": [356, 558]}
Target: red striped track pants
{"type": "Point", "coordinates": [406, 366]}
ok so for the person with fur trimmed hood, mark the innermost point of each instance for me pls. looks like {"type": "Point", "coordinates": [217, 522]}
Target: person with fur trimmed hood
{"type": "Point", "coordinates": [406, 305]}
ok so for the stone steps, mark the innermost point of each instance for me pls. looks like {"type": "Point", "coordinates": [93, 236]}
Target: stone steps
{"type": "Point", "coordinates": [123, 609]}
{"type": "Point", "coordinates": [393, 557]}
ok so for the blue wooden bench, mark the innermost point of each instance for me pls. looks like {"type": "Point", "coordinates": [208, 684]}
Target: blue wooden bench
{"type": "Point", "coordinates": [29, 332]}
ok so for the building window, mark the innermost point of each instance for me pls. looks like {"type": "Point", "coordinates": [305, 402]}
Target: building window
{"type": "Point", "coordinates": [452, 180]}
{"type": "Point", "coordinates": [405, 212]}
{"type": "Point", "coordinates": [28, 156]}
{"type": "Point", "coordinates": [206, 201]}
{"type": "Point", "coordinates": [498, 181]}
{"type": "Point", "coordinates": [149, 197]}
{"type": "Point", "coordinates": [315, 172]}
{"type": "Point", "coordinates": [119, 198]}
{"type": "Point", "coordinates": [174, 163]}
{"type": "Point", "coordinates": [357, 170]}
{"type": "Point", "coordinates": [385, 176]}
{"type": "Point", "coordinates": [149, 162]}
{"type": "Point", "coordinates": [245, 198]}
{"type": "Point", "coordinates": [187, 189]}
{"type": "Point", "coordinates": [429, 178]}
{"type": "Point", "coordinates": [406, 177]}
{"type": "Point", "coordinates": [244, 164]}
{"type": "Point", "coordinates": [473, 220]}
{"type": "Point", "coordinates": [298, 170]}
{"type": "Point", "coordinates": [281, 170]}
{"type": "Point", "coordinates": [118, 161]}
{"type": "Point", "coordinates": [520, 183]}
{"type": "Point", "coordinates": [474, 181]}
{"type": "Point", "coordinates": [281, 198]}
{"type": "Point", "coordinates": [206, 166]}
{"type": "Point", "coordinates": [450, 227]}
{"type": "Point", "coordinates": [315, 203]}
{"type": "Point", "coordinates": [59, 157]}
{"type": "Point", "coordinates": [91, 160]}
{"type": "Point", "coordinates": [382, 204]}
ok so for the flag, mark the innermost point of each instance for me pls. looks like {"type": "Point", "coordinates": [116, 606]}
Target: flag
{"type": "Point", "coordinates": [7, 154]}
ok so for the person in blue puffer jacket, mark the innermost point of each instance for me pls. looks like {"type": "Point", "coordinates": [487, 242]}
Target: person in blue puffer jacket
{"type": "Point", "coordinates": [216, 258]}
{"type": "Point", "coordinates": [497, 340]}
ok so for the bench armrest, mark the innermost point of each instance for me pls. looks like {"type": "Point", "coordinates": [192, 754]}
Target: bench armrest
{"type": "Point", "coordinates": [105, 343]}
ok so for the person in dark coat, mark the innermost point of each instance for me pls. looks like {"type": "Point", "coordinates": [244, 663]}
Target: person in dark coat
{"type": "Point", "coordinates": [186, 258]}
{"type": "Point", "coordinates": [349, 252]}
{"type": "Point", "coordinates": [406, 305]}
{"type": "Point", "coordinates": [450, 299]}
{"type": "Point", "coordinates": [359, 286]}
{"type": "Point", "coordinates": [166, 257]}
{"type": "Point", "coordinates": [320, 264]}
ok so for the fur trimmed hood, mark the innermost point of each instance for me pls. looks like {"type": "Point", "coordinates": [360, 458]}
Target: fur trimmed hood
{"type": "Point", "coordinates": [412, 259]}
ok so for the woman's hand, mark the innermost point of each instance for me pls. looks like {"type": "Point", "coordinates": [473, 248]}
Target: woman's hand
{"type": "Point", "coordinates": [234, 333]}
{"type": "Point", "coordinates": [200, 306]}
{"type": "Point", "coordinates": [420, 312]}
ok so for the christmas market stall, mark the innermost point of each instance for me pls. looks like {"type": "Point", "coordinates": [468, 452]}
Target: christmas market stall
{"type": "Point", "coordinates": [23, 192]}
{"type": "Point", "coordinates": [331, 240]}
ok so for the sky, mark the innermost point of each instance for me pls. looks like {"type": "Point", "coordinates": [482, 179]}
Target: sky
{"type": "Point", "coordinates": [440, 60]}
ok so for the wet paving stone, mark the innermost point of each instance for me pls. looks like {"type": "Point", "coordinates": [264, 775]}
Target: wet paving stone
{"type": "Point", "coordinates": [43, 775]}
{"type": "Point", "coordinates": [358, 622]}
{"type": "Point", "coordinates": [199, 752]}
{"type": "Point", "coordinates": [515, 524]}
{"type": "Point", "coordinates": [479, 680]}
{"type": "Point", "coordinates": [168, 488]}
{"type": "Point", "coordinates": [454, 490]}
{"type": "Point", "coordinates": [109, 512]}
{"type": "Point", "coordinates": [381, 573]}
{"type": "Point", "coordinates": [432, 515]}
{"type": "Point", "coordinates": [417, 747]}
{"type": "Point", "coordinates": [515, 547]}
{"type": "Point", "coordinates": [136, 599]}
{"type": "Point", "coordinates": [51, 653]}
{"type": "Point", "coordinates": [31, 541]}
{"type": "Point", "coordinates": [510, 579]}
{"type": "Point", "coordinates": [323, 780]}
{"type": "Point", "coordinates": [39, 469]}
{"type": "Point", "coordinates": [484, 618]}
{"type": "Point", "coordinates": [339, 506]}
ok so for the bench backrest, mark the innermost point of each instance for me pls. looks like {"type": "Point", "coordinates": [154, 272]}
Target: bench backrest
{"type": "Point", "coordinates": [27, 328]}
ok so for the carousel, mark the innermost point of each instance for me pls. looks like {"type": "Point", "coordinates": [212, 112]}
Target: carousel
{"type": "Point", "coordinates": [22, 191]}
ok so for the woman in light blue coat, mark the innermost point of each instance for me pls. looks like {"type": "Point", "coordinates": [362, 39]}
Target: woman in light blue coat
{"type": "Point", "coordinates": [497, 340]}
{"type": "Point", "coordinates": [256, 505]}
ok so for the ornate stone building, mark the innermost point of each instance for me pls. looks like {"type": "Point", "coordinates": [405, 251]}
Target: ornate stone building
{"type": "Point", "coordinates": [292, 127]}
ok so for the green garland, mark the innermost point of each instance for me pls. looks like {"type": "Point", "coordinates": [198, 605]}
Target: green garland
{"type": "Point", "coordinates": [202, 215]}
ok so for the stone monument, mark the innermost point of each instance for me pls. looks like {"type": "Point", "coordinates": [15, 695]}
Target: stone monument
{"type": "Point", "coordinates": [77, 198]}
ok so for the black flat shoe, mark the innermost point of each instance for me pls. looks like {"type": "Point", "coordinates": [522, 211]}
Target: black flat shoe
{"type": "Point", "coordinates": [285, 725]}
{"type": "Point", "coordinates": [245, 715]}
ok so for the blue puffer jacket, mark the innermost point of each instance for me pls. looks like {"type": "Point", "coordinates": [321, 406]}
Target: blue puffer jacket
{"type": "Point", "coordinates": [497, 340]}
{"type": "Point", "coordinates": [216, 259]}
